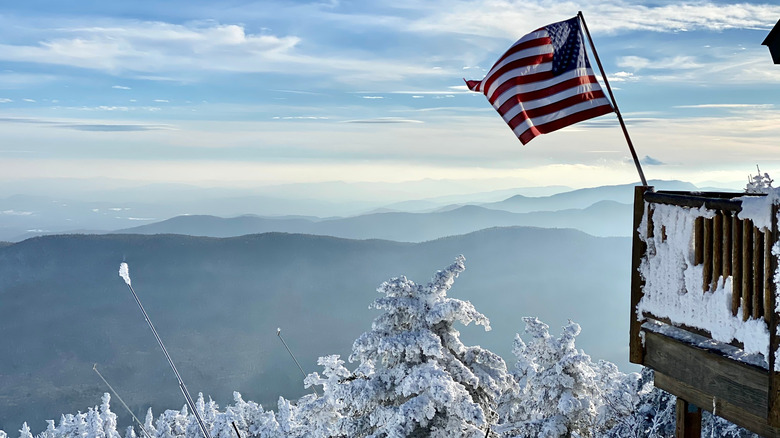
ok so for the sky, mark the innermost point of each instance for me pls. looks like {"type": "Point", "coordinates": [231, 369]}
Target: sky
{"type": "Point", "coordinates": [250, 93]}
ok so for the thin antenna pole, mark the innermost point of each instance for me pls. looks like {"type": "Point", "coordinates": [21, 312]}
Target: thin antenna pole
{"type": "Point", "coordinates": [183, 388]}
{"type": "Point", "coordinates": [94, 368]}
{"type": "Point", "coordinates": [236, 429]}
{"type": "Point", "coordinates": [279, 333]}
{"type": "Point", "coordinates": [614, 102]}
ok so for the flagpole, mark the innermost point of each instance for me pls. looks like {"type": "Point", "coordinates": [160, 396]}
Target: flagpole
{"type": "Point", "coordinates": [614, 102]}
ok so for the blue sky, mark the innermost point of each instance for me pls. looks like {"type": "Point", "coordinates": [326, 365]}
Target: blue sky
{"type": "Point", "coordinates": [243, 93]}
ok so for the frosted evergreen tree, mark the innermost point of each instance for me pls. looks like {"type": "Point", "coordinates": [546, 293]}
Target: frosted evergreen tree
{"type": "Point", "coordinates": [415, 377]}
{"type": "Point", "coordinates": [107, 417]}
{"type": "Point", "coordinates": [561, 392]}
{"type": "Point", "coordinates": [149, 423]}
{"type": "Point", "coordinates": [50, 432]}
{"type": "Point", "coordinates": [253, 421]}
{"type": "Point", "coordinates": [130, 432]}
{"type": "Point", "coordinates": [94, 424]}
{"type": "Point", "coordinates": [3, 434]}
{"type": "Point", "coordinates": [25, 431]}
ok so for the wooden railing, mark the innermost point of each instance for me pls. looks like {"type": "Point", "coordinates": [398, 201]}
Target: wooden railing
{"type": "Point", "coordinates": [727, 247]}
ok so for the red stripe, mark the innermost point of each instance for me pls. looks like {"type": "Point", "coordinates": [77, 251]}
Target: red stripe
{"type": "Point", "coordinates": [518, 63]}
{"type": "Point", "coordinates": [563, 122]}
{"type": "Point", "coordinates": [553, 107]}
{"type": "Point", "coordinates": [539, 94]}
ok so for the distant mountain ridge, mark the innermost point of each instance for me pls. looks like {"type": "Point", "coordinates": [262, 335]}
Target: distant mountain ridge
{"type": "Point", "coordinates": [604, 218]}
{"type": "Point", "coordinates": [600, 211]}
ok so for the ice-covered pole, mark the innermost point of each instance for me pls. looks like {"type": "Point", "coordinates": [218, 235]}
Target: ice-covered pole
{"type": "Point", "coordinates": [141, 425]}
{"type": "Point", "coordinates": [279, 333]}
{"type": "Point", "coordinates": [124, 272]}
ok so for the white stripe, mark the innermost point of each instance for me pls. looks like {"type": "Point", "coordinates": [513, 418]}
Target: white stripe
{"type": "Point", "coordinates": [538, 103]}
{"type": "Point", "coordinates": [526, 53]}
{"type": "Point", "coordinates": [542, 33]}
{"type": "Point", "coordinates": [534, 86]}
{"type": "Point", "coordinates": [541, 120]}
{"type": "Point", "coordinates": [521, 71]}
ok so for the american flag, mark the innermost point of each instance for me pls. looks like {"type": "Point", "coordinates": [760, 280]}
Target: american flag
{"type": "Point", "coordinates": [544, 82]}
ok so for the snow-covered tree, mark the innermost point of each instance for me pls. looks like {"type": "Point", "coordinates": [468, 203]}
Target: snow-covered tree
{"type": "Point", "coordinates": [24, 432]}
{"type": "Point", "coordinates": [561, 392]}
{"type": "Point", "coordinates": [252, 420]}
{"type": "Point", "coordinates": [149, 423]}
{"type": "Point", "coordinates": [759, 183]}
{"type": "Point", "coordinates": [415, 377]}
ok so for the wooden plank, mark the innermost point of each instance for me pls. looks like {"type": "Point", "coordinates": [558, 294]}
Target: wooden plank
{"type": "Point", "coordinates": [722, 408]}
{"type": "Point", "coordinates": [688, 421]}
{"type": "Point", "coordinates": [774, 339]}
{"type": "Point", "coordinates": [758, 273]}
{"type": "Point", "coordinates": [768, 277]}
{"type": "Point", "coordinates": [698, 241]}
{"type": "Point", "coordinates": [747, 269]}
{"type": "Point", "coordinates": [728, 220]}
{"type": "Point", "coordinates": [717, 249]}
{"type": "Point", "coordinates": [742, 385]}
{"type": "Point", "coordinates": [707, 259]}
{"type": "Point", "coordinates": [736, 264]}
{"type": "Point", "coordinates": [638, 248]}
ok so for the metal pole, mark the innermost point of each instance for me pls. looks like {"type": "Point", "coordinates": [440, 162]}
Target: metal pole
{"type": "Point", "coordinates": [614, 102]}
{"type": "Point", "coordinates": [183, 388]}
{"type": "Point", "coordinates": [279, 333]}
{"type": "Point", "coordinates": [94, 368]}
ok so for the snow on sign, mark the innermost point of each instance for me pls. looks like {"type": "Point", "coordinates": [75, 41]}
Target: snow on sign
{"type": "Point", "coordinates": [704, 312]}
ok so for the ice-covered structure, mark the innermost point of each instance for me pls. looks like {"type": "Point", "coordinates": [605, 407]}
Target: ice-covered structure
{"type": "Point", "coordinates": [704, 302]}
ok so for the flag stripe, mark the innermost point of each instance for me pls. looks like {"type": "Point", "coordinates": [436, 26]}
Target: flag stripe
{"type": "Point", "coordinates": [562, 122]}
{"type": "Point", "coordinates": [544, 82]}
{"type": "Point", "coordinates": [511, 97]}
{"type": "Point", "coordinates": [513, 118]}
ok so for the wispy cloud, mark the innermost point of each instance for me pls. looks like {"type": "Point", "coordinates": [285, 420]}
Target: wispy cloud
{"type": "Point", "coordinates": [88, 125]}
{"type": "Point", "coordinates": [120, 87]}
{"type": "Point", "coordinates": [729, 105]}
{"type": "Point", "coordinates": [383, 120]}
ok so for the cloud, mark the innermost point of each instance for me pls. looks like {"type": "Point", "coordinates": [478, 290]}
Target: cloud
{"type": "Point", "coordinates": [5, 100]}
{"type": "Point", "coordinates": [729, 105]}
{"type": "Point", "coordinates": [84, 125]}
{"type": "Point", "coordinates": [505, 17]}
{"type": "Point", "coordinates": [161, 100]}
{"type": "Point", "coordinates": [29, 100]}
{"type": "Point", "coordinates": [109, 127]}
{"type": "Point", "coordinates": [373, 97]}
{"type": "Point", "coordinates": [120, 87]}
{"type": "Point", "coordinates": [650, 161]}
{"type": "Point", "coordinates": [383, 120]}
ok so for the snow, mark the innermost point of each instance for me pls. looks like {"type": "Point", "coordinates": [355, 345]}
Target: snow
{"type": "Point", "coordinates": [124, 272]}
{"type": "Point", "coordinates": [759, 208]}
{"type": "Point", "coordinates": [673, 285]}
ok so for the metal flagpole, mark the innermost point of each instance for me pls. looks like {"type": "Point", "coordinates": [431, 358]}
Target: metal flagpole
{"type": "Point", "coordinates": [183, 388]}
{"type": "Point", "coordinates": [614, 102]}
{"type": "Point", "coordinates": [141, 425]}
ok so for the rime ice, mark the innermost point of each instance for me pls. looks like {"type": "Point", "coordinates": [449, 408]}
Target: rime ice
{"type": "Point", "coordinates": [124, 272]}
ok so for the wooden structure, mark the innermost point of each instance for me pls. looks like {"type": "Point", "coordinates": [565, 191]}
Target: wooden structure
{"type": "Point", "coordinates": [725, 246]}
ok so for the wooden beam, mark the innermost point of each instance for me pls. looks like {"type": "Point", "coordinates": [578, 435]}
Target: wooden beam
{"type": "Point", "coordinates": [636, 349]}
{"type": "Point", "coordinates": [722, 408]}
{"type": "Point", "coordinates": [727, 222]}
{"type": "Point", "coordinates": [739, 384]}
{"type": "Point", "coordinates": [758, 273]}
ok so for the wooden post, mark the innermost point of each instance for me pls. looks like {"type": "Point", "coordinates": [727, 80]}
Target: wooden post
{"type": "Point", "coordinates": [698, 241]}
{"type": "Point", "coordinates": [768, 277]}
{"type": "Point", "coordinates": [688, 420]}
{"type": "Point", "coordinates": [727, 221]}
{"type": "Point", "coordinates": [773, 416]}
{"type": "Point", "coordinates": [636, 350]}
{"type": "Point", "coordinates": [707, 260]}
{"type": "Point", "coordinates": [758, 273]}
{"type": "Point", "coordinates": [717, 250]}
{"type": "Point", "coordinates": [747, 269]}
{"type": "Point", "coordinates": [736, 264]}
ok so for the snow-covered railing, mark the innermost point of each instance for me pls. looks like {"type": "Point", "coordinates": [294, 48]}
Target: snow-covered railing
{"type": "Point", "coordinates": [704, 278]}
